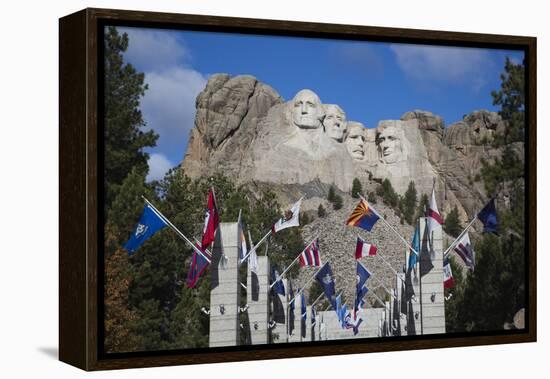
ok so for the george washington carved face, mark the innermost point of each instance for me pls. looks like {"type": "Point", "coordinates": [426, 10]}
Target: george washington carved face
{"type": "Point", "coordinates": [335, 122]}
{"type": "Point", "coordinates": [307, 110]}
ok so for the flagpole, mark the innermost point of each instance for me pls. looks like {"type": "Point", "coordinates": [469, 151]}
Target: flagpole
{"type": "Point", "coordinates": [263, 239]}
{"type": "Point", "coordinates": [377, 298]}
{"type": "Point", "coordinates": [306, 283]}
{"type": "Point", "coordinates": [175, 229]}
{"type": "Point", "coordinates": [389, 265]}
{"type": "Point", "coordinates": [391, 227]}
{"type": "Point", "coordinates": [318, 298]}
{"type": "Point", "coordinates": [294, 261]}
{"type": "Point", "coordinates": [383, 286]}
{"type": "Point", "coordinates": [257, 245]}
{"type": "Point", "coordinates": [459, 236]}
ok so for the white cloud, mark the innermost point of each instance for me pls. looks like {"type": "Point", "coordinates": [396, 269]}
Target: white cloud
{"type": "Point", "coordinates": [168, 107]}
{"type": "Point", "coordinates": [457, 65]}
{"type": "Point", "coordinates": [158, 166]}
{"type": "Point", "coordinates": [151, 49]}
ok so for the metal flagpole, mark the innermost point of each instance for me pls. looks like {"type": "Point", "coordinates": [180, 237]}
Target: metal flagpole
{"type": "Point", "coordinates": [306, 283]}
{"type": "Point", "coordinates": [383, 286]}
{"type": "Point", "coordinates": [318, 298]}
{"type": "Point", "coordinates": [391, 227]}
{"type": "Point", "coordinates": [290, 265]}
{"type": "Point", "coordinates": [262, 240]}
{"type": "Point", "coordinates": [174, 228]}
{"type": "Point", "coordinates": [257, 245]}
{"type": "Point", "coordinates": [460, 236]}
{"type": "Point", "coordinates": [389, 265]}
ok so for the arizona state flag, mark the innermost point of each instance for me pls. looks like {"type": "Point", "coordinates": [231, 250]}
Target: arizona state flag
{"type": "Point", "coordinates": [211, 221]}
{"type": "Point", "coordinates": [363, 216]}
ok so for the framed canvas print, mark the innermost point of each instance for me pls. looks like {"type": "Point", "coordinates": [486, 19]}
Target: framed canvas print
{"type": "Point", "coordinates": [238, 189]}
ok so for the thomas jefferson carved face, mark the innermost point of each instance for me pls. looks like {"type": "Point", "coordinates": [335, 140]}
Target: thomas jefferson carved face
{"type": "Point", "coordinates": [390, 146]}
{"type": "Point", "coordinates": [335, 122]}
{"type": "Point", "coordinates": [355, 140]}
{"type": "Point", "coordinates": [307, 111]}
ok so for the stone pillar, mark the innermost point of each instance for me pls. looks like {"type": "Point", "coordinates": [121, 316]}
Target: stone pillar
{"type": "Point", "coordinates": [225, 287]}
{"type": "Point", "coordinates": [432, 292]}
{"type": "Point", "coordinates": [279, 333]}
{"type": "Point", "coordinates": [296, 335]}
{"type": "Point", "coordinates": [308, 325]}
{"type": "Point", "coordinates": [403, 307]}
{"type": "Point", "coordinates": [257, 298]}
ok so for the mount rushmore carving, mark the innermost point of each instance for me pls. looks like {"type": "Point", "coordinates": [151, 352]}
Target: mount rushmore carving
{"type": "Point", "coordinates": [246, 131]}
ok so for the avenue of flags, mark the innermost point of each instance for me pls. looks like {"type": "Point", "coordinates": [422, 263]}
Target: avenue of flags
{"type": "Point", "coordinates": [364, 216]}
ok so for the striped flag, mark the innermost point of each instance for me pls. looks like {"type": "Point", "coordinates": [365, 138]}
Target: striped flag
{"type": "Point", "coordinates": [363, 216]}
{"type": "Point", "coordinates": [363, 249]}
{"type": "Point", "coordinates": [464, 249]}
{"type": "Point", "coordinates": [310, 257]}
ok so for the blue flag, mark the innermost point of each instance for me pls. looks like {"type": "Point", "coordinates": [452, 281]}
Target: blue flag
{"type": "Point", "coordinates": [488, 216]}
{"type": "Point", "coordinates": [363, 216]}
{"type": "Point", "coordinates": [149, 223]}
{"type": "Point", "coordinates": [359, 295]}
{"type": "Point", "coordinates": [326, 279]}
{"type": "Point", "coordinates": [416, 245]}
{"type": "Point", "coordinates": [337, 306]}
{"type": "Point", "coordinates": [343, 315]}
{"type": "Point", "coordinates": [278, 287]}
{"type": "Point", "coordinates": [362, 275]}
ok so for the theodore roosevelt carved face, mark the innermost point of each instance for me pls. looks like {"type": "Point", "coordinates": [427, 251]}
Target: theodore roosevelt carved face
{"type": "Point", "coordinates": [307, 110]}
{"type": "Point", "coordinates": [335, 122]}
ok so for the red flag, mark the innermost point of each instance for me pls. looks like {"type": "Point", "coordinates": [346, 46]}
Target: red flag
{"type": "Point", "coordinates": [211, 221]}
{"type": "Point", "coordinates": [448, 280]}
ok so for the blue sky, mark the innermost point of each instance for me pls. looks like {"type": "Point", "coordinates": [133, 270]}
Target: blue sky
{"type": "Point", "coordinates": [371, 81]}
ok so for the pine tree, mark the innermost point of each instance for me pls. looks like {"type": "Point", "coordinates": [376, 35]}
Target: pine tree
{"type": "Point", "coordinates": [331, 194]}
{"type": "Point", "coordinates": [452, 223]}
{"type": "Point", "coordinates": [123, 135]}
{"type": "Point", "coordinates": [511, 98]}
{"type": "Point", "coordinates": [337, 203]}
{"type": "Point", "coordinates": [409, 203]}
{"type": "Point", "coordinates": [356, 188]}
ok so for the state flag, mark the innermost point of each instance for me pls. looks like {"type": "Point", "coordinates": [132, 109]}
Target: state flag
{"type": "Point", "coordinates": [199, 263]}
{"type": "Point", "coordinates": [310, 257]}
{"type": "Point", "coordinates": [149, 223]}
{"type": "Point", "coordinates": [325, 278]}
{"type": "Point", "coordinates": [211, 221]}
{"type": "Point", "coordinates": [448, 281]}
{"type": "Point", "coordinates": [278, 286]}
{"type": "Point", "coordinates": [363, 216]}
{"type": "Point", "coordinates": [488, 216]}
{"type": "Point", "coordinates": [465, 251]}
{"type": "Point", "coordinates": [291, 218]}
{"type": "Point", "coordinates": [364, 249]}
{"type": "Point", "coordinates": [434, 217]}
{"type": "Point", "coordinates": [362, 275]}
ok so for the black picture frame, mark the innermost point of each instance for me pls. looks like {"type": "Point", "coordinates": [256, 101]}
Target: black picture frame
{"type": "Point", "coordinates": [81, 185]}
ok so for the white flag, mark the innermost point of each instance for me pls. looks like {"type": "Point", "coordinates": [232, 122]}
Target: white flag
{"type": "Point", "coordinates": [291, 218]}
{"type": "Point", "coordinates": [253, 262]}
{"type": "Point", "coordinates": [434, 217]}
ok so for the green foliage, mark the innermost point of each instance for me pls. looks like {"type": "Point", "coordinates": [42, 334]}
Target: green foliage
{"type": "Point", "coordinates": [331, 194]}
{"type": "Point", "coordinates": [123, 136]}
{"type": "Point", "coordinates": [409, 203]}
{"type": "Point", "coordinates": [423, 205]}
{"type": "Point", "coordinates": [337, 203]}
{"type": "Point", "coordinates": [388, 194]}
{"type": "Point", "coordinates": [321, 211]}
{"type": "Point", "coordinates": [452, 224]}
{"type": "Point", "coordinates": [372, 197]}
{"type": "Point", "coordinates": [511, 98]}
{"type": "Point", "coordinates": [356, 188]}
{"type": "Point", "coordinates": [495, 291]}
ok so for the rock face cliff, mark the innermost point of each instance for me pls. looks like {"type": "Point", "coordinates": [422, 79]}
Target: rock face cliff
{"type": "Point", "coordinates": [246, 131]}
